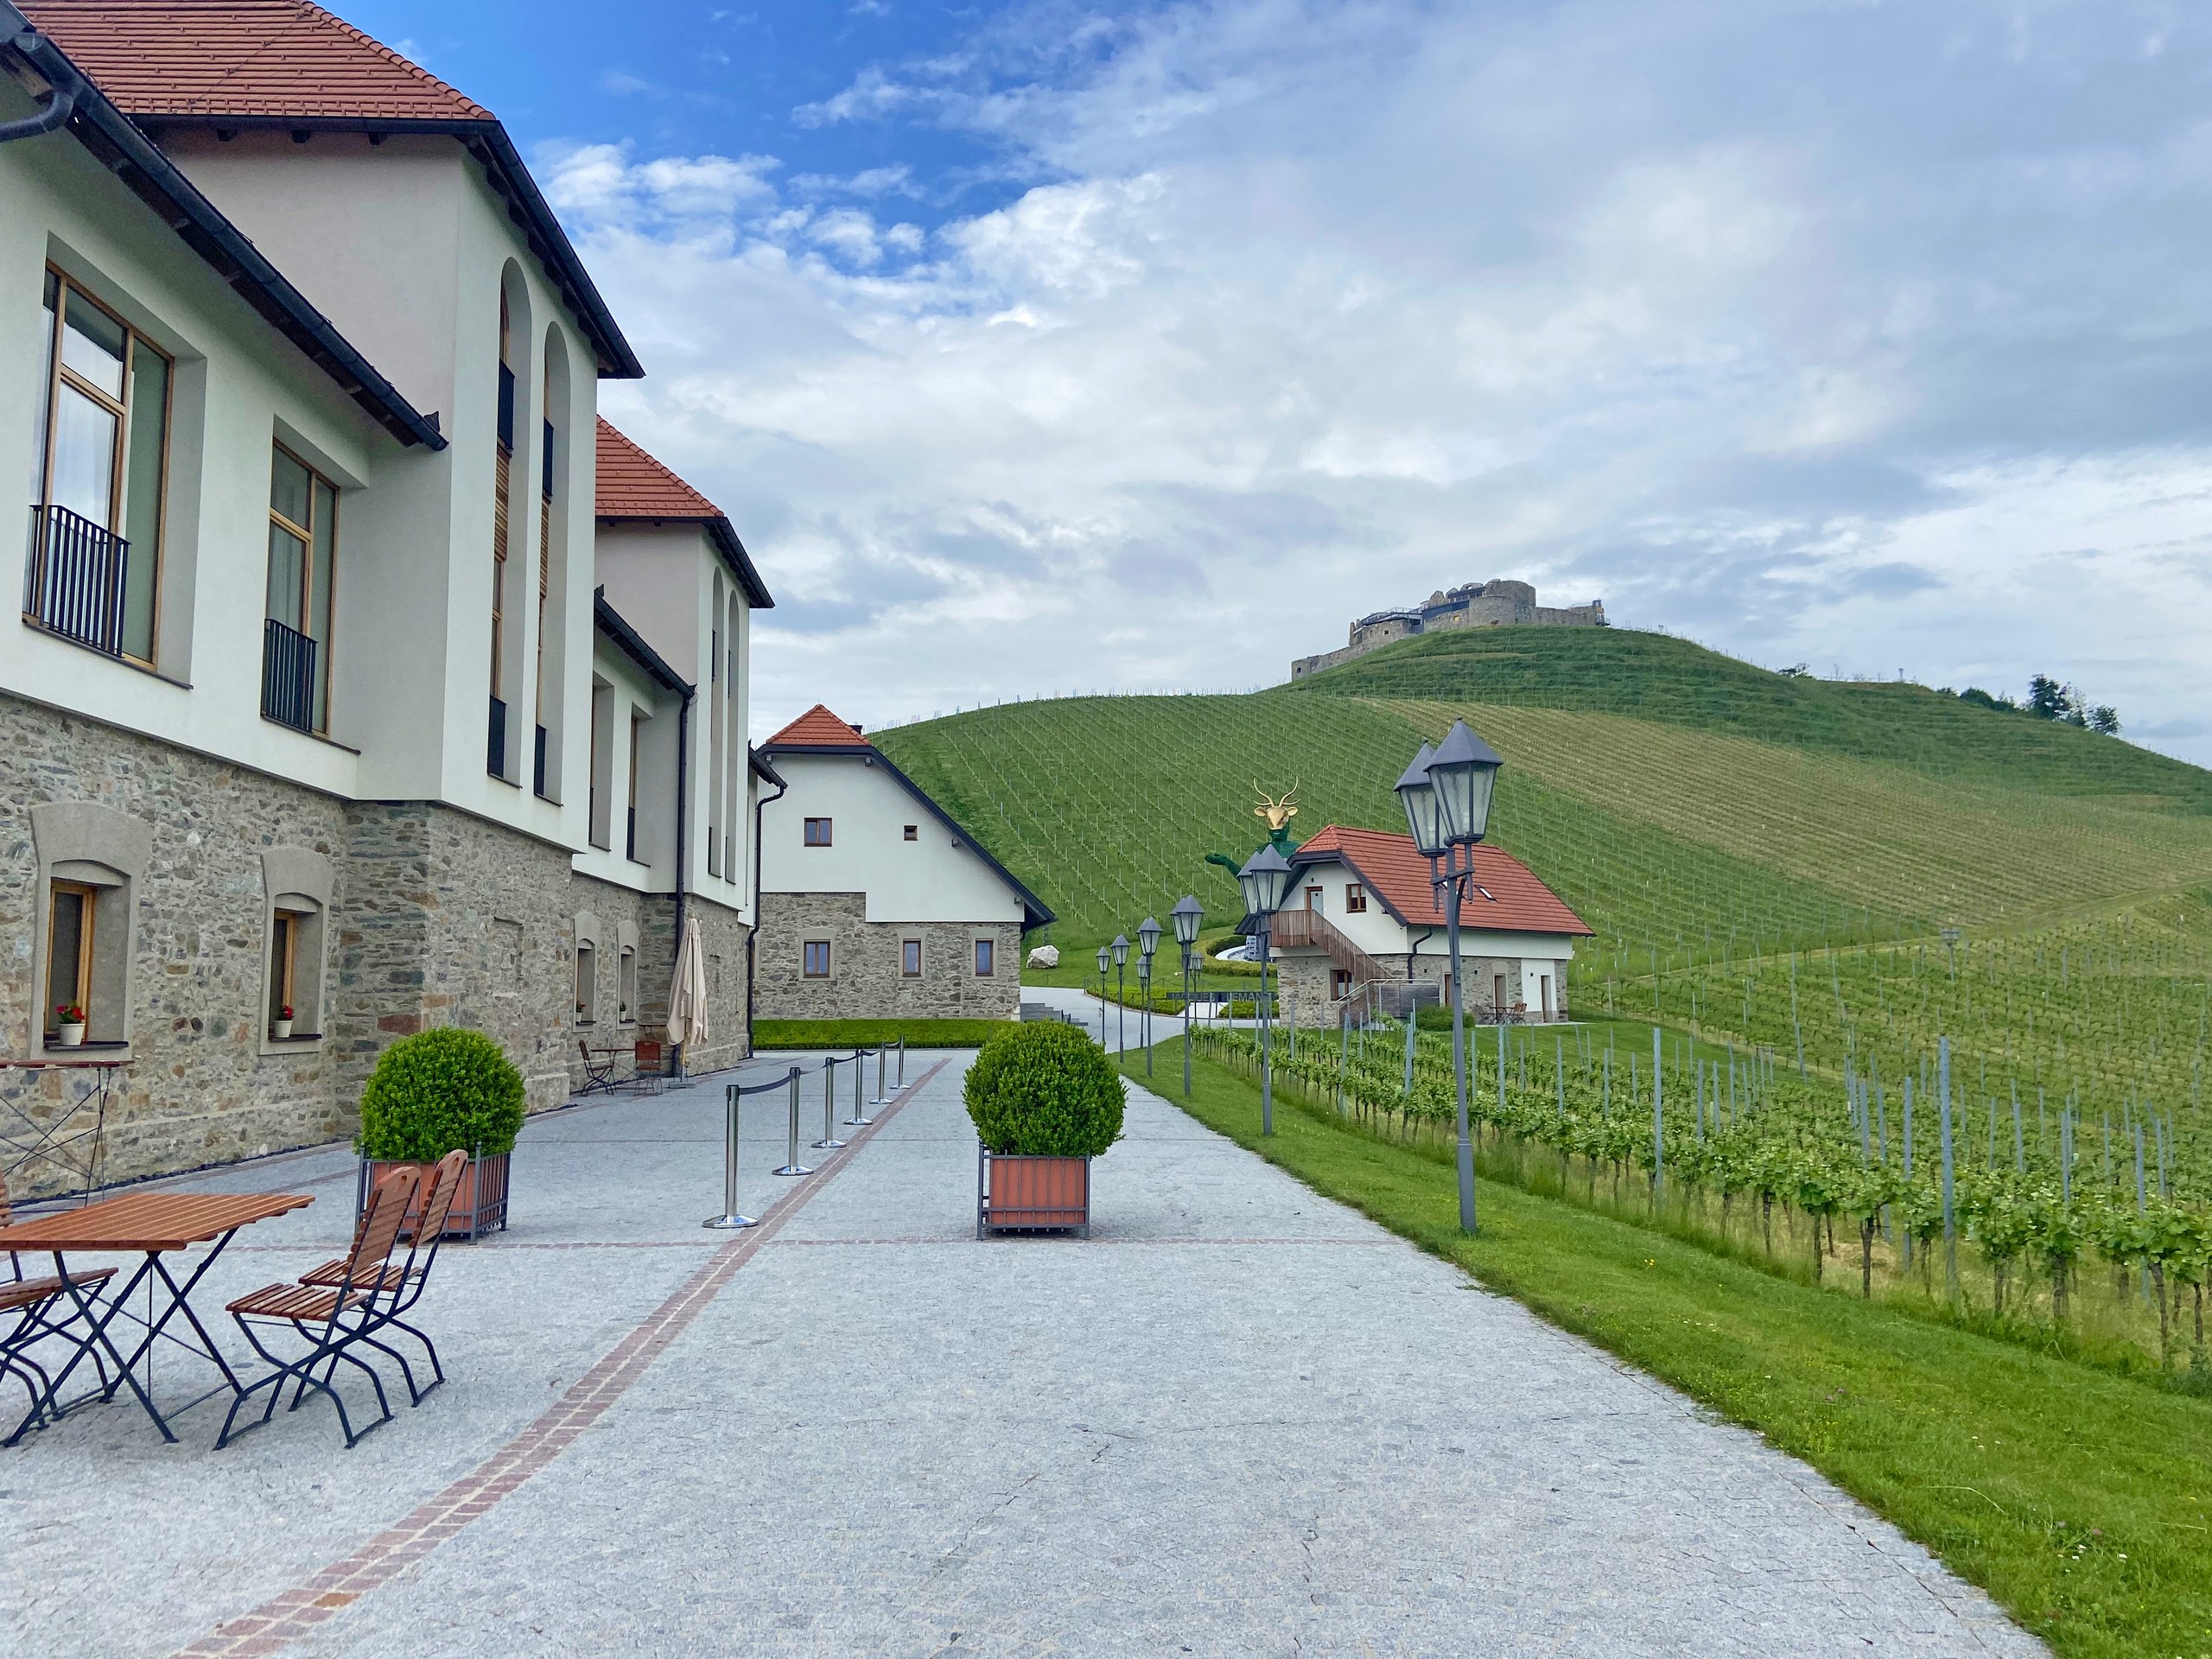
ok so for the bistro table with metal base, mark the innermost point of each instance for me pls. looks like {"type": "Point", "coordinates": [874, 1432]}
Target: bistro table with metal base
{"type": "Point", "coordinates": [154, 1224]}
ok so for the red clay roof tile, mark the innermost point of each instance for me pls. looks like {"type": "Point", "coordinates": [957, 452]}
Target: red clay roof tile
{"type": "Point", "coordinates": [1508, 899]}
{"type": "Point", "coordinates": [818, 728]}
{"type": "Point", "coordinates": [269, 58]}
{"type": "Point", "coordinates": [632, 484]}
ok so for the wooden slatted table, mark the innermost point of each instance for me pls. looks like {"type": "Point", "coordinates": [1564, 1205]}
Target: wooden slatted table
{"type": "Point", "coordinates": [151, 1225]}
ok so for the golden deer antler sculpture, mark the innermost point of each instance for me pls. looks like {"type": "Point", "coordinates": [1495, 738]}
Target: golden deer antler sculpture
{"type": "Point", "coordinates": [1278, 813]}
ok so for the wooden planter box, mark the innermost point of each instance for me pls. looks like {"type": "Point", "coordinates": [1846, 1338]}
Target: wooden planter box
{"type": "Point", "coordinates": [480, 1207]}
{"type": "Point", "coordinates": [1030, 1195]}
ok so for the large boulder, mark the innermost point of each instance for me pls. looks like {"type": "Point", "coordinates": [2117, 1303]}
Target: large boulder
{"type": "Point", "coordinates": [1045, 956]}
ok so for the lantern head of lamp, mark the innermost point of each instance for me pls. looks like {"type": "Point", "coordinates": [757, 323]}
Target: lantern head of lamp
{"type": "Point", "coordinates": [1265, 878]}
{"type": "Point", "coordinates": [1186, 918]}
{"type": "Point", "coordinates": [1120, 949]}
{"type": "Point", "coordinates": [1418, 795]}
{"type": "Point", "coordinates": [1461, 775]}
{"type": "Point", "coordinates": [1148, 937]}
{"type": "Point", "coordinates": [1105, 961]}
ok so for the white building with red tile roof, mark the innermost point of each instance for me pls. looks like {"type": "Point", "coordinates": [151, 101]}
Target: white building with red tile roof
{"type": "Point", "coordinates": [875, 903]}
{"type": "Point", "coordinates": [1361, 914]}
{"type": "Point", "coordinates": [363, 670]}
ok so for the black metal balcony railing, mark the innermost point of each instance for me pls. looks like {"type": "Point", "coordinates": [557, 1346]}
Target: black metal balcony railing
{"type": "Point", "coordinates": [545, 463]}
{"type": "Point", "coordinates": [74, 581]}
{"type": "Point", "coordinates": [507, 409]}
{"type": "Point", "coordinates": [495, 748]}
{"type": "Point", "coordinates": [630, 837]}
{"type": "Point", "coordinates": [287, 674]}
{"type": "Point", "coordinates": [537, 765]}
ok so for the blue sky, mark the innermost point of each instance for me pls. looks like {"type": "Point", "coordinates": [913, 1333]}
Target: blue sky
{"type": "Point", "coordinates": [1043, 346]}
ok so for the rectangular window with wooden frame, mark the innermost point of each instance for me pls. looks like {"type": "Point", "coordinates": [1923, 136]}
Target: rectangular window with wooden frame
{"type": "Point", "coordinates": [1355, 898]}
{"type": "Point", "coordinates": [814, 960]}
{"type": "Point", "coordinates": [95, 573]}
{"type": "Point", "coordinates": [986, 958]}
{"type": "Point", "coordinates": [817, 832]}
{"type": "Point", "coordinates": [303, 571]}
{"type": "Point", "coordinates": [910, 958]}
{"type": "Point", "coordinates": [68, 952]}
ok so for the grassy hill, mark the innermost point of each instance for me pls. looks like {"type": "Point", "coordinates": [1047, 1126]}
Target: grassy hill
{"type": "Point", "coordinates": [1739, 839]}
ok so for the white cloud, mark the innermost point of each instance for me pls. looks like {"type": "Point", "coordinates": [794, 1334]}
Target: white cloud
{"type": "Point", "coordinates": [1855, 334]}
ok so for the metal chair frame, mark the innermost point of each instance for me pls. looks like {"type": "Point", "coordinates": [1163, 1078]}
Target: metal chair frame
{"type": "Point", "coordinates": [400, 1287]}
{"type": "Point", "coordinates": [33, 1301]}
{"type": "Point", "coordinates": [345, 1314]}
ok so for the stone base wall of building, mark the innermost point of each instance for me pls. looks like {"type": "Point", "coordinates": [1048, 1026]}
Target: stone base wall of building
{"type": "Point", "coordinates": [1308, 997]}
{"type": "Point", "coordinates": [866, 979]}
{"type": "Point", "coordinates": [430, 916]}
{"type": "Point", "coordinates": [650, 919]}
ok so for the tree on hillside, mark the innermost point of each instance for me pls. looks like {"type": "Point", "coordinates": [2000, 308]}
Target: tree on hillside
{"type": "Point", "coordinates": [2106, 719]}
{"type": "Point", "coordinates": [2047, 699]}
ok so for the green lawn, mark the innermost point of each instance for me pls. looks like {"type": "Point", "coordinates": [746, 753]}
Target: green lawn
{"type": "Point", "coordinates": [866, 1033]}
{"type": "Point", "coordinates": [2082, 1501]}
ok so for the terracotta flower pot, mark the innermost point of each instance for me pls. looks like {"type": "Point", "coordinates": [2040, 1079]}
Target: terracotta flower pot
{"type": "Point", "coordinates": [1019, 1194]}
{"type": "Point", "coordinates": [480, 1207]}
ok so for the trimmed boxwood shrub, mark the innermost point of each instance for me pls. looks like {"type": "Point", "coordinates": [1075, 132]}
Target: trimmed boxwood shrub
{"type": "Point", "coordinates": [1045, 1090]}
{"type": "Point", "coordinates": [439, 1091]}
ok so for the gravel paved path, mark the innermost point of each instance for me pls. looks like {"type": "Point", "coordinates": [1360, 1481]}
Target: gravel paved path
{"type": "Point", "coordinates": [1239, 1419]}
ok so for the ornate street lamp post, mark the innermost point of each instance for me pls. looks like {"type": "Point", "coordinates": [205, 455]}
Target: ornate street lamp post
{"type": "Point", "coordinates": [1186, 916]}
{"type": "Point", "coordinates": [1446, 794]}
{"type": "Point", "coordinates": [1103, 957]}
{"type": "Point", "coordinates": [1121, 949]}
{"type": "Point", "coordinates": [1265, 878]}
{"type": "Point", "coordinates": [1148, 942]}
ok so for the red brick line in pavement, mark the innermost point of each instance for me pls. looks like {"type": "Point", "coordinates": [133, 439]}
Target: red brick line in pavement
{"type": "Point", "coordinates": [285, 1618]}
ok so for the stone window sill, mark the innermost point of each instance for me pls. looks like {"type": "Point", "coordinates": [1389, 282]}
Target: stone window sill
{"type": "Point", "coordinates": [312, 737]}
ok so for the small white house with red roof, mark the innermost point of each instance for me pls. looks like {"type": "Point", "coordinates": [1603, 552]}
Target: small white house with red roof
{"type": "Point", "coordinates": [1360, 913]}
{"type": "Point", "coordinates": [875, 903]}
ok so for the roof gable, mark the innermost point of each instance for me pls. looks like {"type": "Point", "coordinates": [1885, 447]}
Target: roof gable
{"type": "Point", "coordinates": [632, 484]}
{"type": "Point", "coordinates": [1505, 897]}
{"type": "Point", "coordinates": [244, 58]}
{"type": "Point", "coordinates": [818, 729]}
{"type": "Point", "coordinates": [291, 65]}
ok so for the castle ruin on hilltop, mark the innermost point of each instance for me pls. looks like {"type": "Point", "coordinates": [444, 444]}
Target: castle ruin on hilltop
{"type": "Point", "coordinates": [1475, 605]}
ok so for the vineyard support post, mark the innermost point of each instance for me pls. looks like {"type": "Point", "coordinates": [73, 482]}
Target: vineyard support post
{"type": "Point", "coordinates": [1950, 1218]}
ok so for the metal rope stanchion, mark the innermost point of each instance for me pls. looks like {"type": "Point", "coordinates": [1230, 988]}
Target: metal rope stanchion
{"type": "Point", "coordinates": [729, 1220]}
{"type": "Point", "coordinates": [828, 1143]}
{"type": "Point", "coordinates": [792, 1165]}
{"type": "Point", "coordinates": [902, 1083]}
{"type": "Point", "coordinates": [881, 1098]}
{"type": "Point", "coordinates": [860, 1119]}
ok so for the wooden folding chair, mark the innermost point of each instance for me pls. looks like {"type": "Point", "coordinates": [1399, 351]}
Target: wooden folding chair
{"type": "Point", "coordinates": [31, 1312]}
{"type": "Point", "coordinates": [330, 1320]}
{"type": "Point", "coordinates": [400, 1285]}
{"type": "Point", "coordinates": [599, 1068]}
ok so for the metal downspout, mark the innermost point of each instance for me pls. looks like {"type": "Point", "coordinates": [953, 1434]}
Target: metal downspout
{"type": "Point", "coordinates": [752, 939]}
{"type": "Point", "coordinates": [683, 785]}
{"type": "Point", "coordinates": [61, 102]}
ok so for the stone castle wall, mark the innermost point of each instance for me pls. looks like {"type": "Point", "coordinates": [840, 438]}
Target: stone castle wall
{"type": "Point", "coordinates": [435, 917]}
{"type": "Point", "coordinates": [1476, 604]}
{"type": "Point", "coordinates": [865, 958]}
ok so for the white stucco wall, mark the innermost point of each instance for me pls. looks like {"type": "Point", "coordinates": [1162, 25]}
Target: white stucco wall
{"type": "Point", "coordinates": [927, 879]}
{"type": "Point", "coordinates": [239, 387]}
{"type": "Point", "coordinates": [653, 870]}
{"type": "Point", "coordinates": [667, 582]}
{"type": "Point", "coordinates": [404, 245]}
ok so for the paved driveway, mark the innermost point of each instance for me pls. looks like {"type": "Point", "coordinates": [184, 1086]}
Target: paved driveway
{"type": "Point", "coordinates": [1238, 1419]}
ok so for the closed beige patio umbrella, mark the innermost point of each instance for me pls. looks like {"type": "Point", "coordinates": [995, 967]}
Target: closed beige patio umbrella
{"type": "Point", "coordinates": [688, 1021]}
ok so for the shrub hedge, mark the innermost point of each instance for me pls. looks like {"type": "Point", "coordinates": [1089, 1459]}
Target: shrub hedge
{"type": "Point", "coordinates": [1045, 1090]}
{"type": "Point", "coordinates": [441, 1090]}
